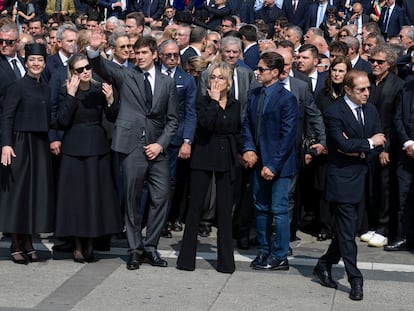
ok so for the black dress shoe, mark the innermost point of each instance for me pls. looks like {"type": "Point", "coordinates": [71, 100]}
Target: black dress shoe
{"type": "Point", "coordinates": [177, 226]}
{"type": "Point", "coordinates": [243, 243]}
{"type": "Point", "coordinates": [65, 247]}
{"type": "Point", "coordinates": [165, 233]}
{"type": "Point", "coordinates": [356, 291]}
{"type": "Point", "coordinates": [134, 260]}
{"type": "Point", "coordinates": [260, 259]}
{"type": "Point", "coordinates": [290, 252]}
{"type": "Point", "coordinates": [273, 264]}
{"type": "Point", "coordinates": [324, 275]}
{"type": "Point", "coordinates": [400, 245]}
{"type": "Point", "coordinates": [203, 231]}
{"type": "Point", "coordinates": [154, 259]}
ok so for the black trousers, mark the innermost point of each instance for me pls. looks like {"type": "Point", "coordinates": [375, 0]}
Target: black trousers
{"type": "Point", "coordinates": [405, 173]}
{"type": "Point", "coordinates": [200, 181]}
{"type": "Point", "coordinates": [343, 244]}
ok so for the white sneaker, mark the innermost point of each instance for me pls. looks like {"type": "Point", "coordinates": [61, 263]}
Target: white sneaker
{"type": "Point", "coordinates": [367, 236]}
{"type": "Point", "coordinates": [378, 240]}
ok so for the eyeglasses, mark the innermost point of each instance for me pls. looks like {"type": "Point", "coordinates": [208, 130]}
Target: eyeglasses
{"type": "Point", "coordinates": [362, 89]}
{"type": "Point", "coordinates": [81, 69]}
{"type": "Point", "coordinates": [8, 42]}
{"type": "Point", "coordinates": [378, 61]}
{"type": "Point", "coordinates": [125, 46]}
{"type": "Point", "coordinates": [216, 78]}
{"type": "Point", "coordinates": [170, 55]}
{"type": "Point", "coordinates": [261, 69]}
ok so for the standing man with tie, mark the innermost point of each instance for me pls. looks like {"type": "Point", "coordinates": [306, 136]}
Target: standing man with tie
{"type": "Point", "coordinates": [180, 146]}
{"type": "Point", "coordinates": [146, 123]}
{"type": "Point", "coordinates": [11, 65]}
{"type": "Point", "coordinates": [391, 20]}
{"type": "Point", "coordinates": [354, 139]}
{"type": "Point", "coordinates": [269, 130]}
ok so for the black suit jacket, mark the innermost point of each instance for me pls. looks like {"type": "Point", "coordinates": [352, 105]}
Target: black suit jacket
{"type": "Point", "coordinates": [53, 62]}
{"type": "Point", "coordinates": [347, 174]}
{"type": "Point", "coordinates": [404, 114]}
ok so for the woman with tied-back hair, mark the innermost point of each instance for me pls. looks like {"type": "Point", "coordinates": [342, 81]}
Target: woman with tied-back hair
{"type": "Point", "coordinates": [334, 88]}
{"type": "Point", "coordinates": [87, 206]}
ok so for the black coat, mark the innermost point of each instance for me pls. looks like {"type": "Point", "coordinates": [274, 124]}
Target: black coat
{"type": "Point", "coordinates": [81, 118]}
{"type": "Point", "coordinates": [218, 139]}
{"type": "Point", "coordinates": [26, 108]}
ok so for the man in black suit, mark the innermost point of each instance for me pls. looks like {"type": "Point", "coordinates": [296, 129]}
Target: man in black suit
{"type": "Point", "coordinates": [306, 63]}
{"type": "Point", "coordinates": [354, 138]}
{"type": "Point", "coordinates": [408, 7]}
{"type": "Point", "coordinates": [11, 65]}
{"type": "Point", "coordinates": [405, 131]}
{"type": "Point", "coordinates": [269, 13]}
{"type": "Point", "coordinates": [358, 17]}
{"type": "Point", "coordinates": [146, 123]}
{"type": "Point", "coordinates": [198, 42]}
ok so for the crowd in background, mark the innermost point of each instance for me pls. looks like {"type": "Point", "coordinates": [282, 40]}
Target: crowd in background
{"type": "Point", "coordinates": [58, 108]}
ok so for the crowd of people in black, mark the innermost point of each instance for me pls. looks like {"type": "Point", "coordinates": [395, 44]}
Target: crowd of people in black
{"type": "Point", "coordinates": [259, 117]}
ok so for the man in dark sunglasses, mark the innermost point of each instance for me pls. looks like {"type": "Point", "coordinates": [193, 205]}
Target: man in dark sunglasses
{"type": "Point", "coordinates": [11, 66]}
{"type": "Point", "coordinates": [119, 41]}
{"type": "Point", "coordinates": [385, 89]}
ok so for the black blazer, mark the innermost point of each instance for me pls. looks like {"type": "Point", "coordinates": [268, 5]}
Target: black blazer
{"type": "Point", "coordinates": [81, 118]}
{"type": "Point", "coordinates": [347, 174]}
{"type": "Point", "coordinates": [25, 108]}
{"type": "Point", "coordinates": [53, 62]}
{"type": "Point", "coordinates": [404, 114]}
{"type": "Point", "coordinates": [218, 140]}
{"type": "Point", "coordinates": [363, 65]}
{"type": "Point", "coordinates": [7, 74]}
{"type": "Point", "coordinates": [299, 17]}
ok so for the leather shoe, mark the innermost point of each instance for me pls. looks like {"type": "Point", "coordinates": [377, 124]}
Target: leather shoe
{"type": "Point", "coordinates": [134, 260]}
{"type": "Point", "coordinates": [260, 259]}
{"type": "Point", "coordinates": [154, 259]}
{"type": "Point", "coordinates": [400, 245]}
{"type": "Point", "coordinates": [166, 233]}
{"type": "Point", "coordinates": [356, 291]}
{"type": "Point", "coordinates": [323, 273]}
{"type": "Point", "coordinates": [272, 264]}
{"type": "Point", "coordinates": [243, 243]}
{"type": "Point", "coordinates": [177, 226]}
{"type": "Point", "coordinates": [203, 231]}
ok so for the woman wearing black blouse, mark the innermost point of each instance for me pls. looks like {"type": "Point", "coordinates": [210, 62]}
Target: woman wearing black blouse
{"type": "Point", "coordinates": [333, 89]}
{"type": "Point", "coordinates": [26, 194]}
{"type": "Point", "coordinates": [215, 151]}
{"type": "Point", "coordinates": [87, 206]}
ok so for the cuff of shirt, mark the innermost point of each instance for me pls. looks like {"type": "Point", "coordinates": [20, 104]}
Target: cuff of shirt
{"type": "Point", "coordinates": [409, 143]}
{"type": "Point", "coordinates": [371, 144]}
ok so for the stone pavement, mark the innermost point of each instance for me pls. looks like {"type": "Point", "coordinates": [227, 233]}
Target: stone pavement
{"type": "Point", "coordinates": [60, 284]}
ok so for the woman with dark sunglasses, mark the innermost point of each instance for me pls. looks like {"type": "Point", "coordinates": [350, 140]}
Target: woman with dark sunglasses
{"type": "Point", "coordinates": [87, 206]}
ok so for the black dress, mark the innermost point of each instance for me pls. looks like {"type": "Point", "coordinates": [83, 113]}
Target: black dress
{"type": "Point", "coordinates": [87, 205]}
{"type": "Point", "coordinates": [27, 190]}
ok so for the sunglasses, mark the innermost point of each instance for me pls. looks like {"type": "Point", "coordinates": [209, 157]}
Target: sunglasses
{"type": "Point", "coordinates": [125, 46]}
{"type": "Point", "coordinates": [362, 89]}
{"type": "Point", "coordinates": [8, 42]}
{"type": "Point", "coordinates": [81, 69]}
{"type": "Point", "coordinates": [261, 69]}
{"type": "Point", "coordinates": [170, 55]}
{"type": "Point", "coordinates": [378, 61]}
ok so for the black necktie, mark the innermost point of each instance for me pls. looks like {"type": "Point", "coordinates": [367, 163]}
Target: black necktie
{"type": "Point", "coordinates": [359, 115]}
{"type": "Point", "coordinates": [16, 69]}
{"type": "Point", "coordinates": [148, 91]}
{"type": "Point", "coordinates": [260, 115]}
{"type": "Point", "coordinates": [169, 72]}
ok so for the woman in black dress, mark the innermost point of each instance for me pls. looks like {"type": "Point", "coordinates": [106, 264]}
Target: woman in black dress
{"type": "Point", "coordinates": [87, 206]}
{"type": "Point", "coordinates": [331, 92]}
{"type": "Point", "coordinates": [26, 194]}
{"type": "Point", "coordinates": [215, 151]}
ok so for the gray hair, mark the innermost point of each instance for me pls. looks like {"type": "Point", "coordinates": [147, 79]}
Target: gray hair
{"type": "Point", "coordinates": [63, 28]}
{"type": "Point", "coordinates": [10, 28]}
{"type": "Point", "coordinates": [230, 41]}
{"type": "Point", "coordinates": [112, 38]}
{"type": "Point", "coordinates": [165, 43]}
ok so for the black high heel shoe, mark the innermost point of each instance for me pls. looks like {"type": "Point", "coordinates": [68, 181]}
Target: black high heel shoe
{"type": "Point", "coordinates": [31, 255]}
{"type": "Point", "coordinates": [78, 257]}
{"type": "Point", "coordinates": [15, 259]}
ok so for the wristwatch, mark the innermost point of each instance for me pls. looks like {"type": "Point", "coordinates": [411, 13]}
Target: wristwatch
{"type": "Point", "coordinates": [187, 141]}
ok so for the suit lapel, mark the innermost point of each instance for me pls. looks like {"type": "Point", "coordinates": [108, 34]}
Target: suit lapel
{"type": "Point", "coordinates": [350, 117]}
{"type": "Point", "coordinates": [159, 83]}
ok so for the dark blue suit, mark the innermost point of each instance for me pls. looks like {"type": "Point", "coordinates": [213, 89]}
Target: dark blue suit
{"type": "Point", "coordinates": [312, 15]}
{"type": "Point", "coordinates": [275, 147]}
{"type": "Point", "coordinates": [153, 10]}
{"type": "Point", "coordinates": [346, 178]}
{"type": "Point", "coordinates": [320, 82]}
{"type": "Point", "coordinates": [246, 12]}
{"type": "Point", "coordinates": [112, 12]}
{"type": "Point", "coordinates": [251, 57]}
{"type": "Point", "coordinates": [53, 62]}
{"type": "Point", "coordinates": [299, 17]}
{"type": "Point", "coordinates": [396, 21]}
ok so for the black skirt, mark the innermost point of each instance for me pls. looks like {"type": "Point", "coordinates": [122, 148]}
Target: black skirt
{"type": "Point", "coordinates": [87, 205]}
{"type": "Point", "coordinates": [27, 189]}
